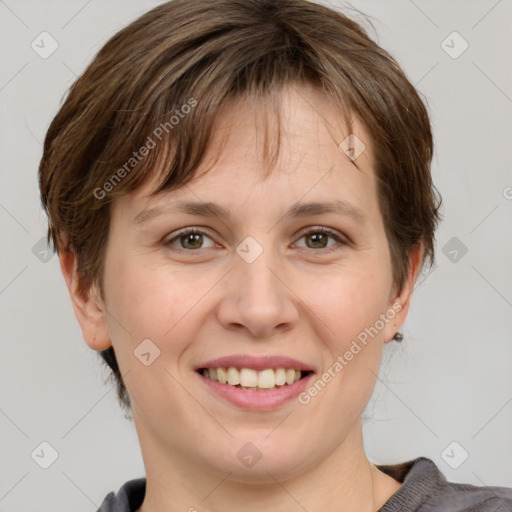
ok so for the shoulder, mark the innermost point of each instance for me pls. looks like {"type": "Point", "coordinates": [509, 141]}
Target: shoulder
{"type": "Point", "coordinates": [475, 498]}
{"type": "Point", "coordinates": [128, 499]}
{"type": "Point", "coordinates": [425, 488]}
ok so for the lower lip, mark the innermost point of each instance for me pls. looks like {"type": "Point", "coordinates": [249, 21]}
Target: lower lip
{"type": "Point", "coordinates": [257, 400]}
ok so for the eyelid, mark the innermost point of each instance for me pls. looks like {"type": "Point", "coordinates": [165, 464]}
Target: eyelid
{"type": "Point", "coordinates": [168, 239]}
{"type": "Point", "coordinates": [342, 239]}
{"type": "Point", "coordinates": [323, 229]}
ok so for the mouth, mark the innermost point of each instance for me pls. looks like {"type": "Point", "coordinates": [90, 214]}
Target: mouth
{"type": "Point", "coordinates": [254, 380]}
{"type": "Point", "coordinates": [254, 390]}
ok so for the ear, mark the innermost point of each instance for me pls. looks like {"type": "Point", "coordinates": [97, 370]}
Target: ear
{"type": "Point", "coordinates": [87, 306]}
{"type": "Point", "coordinates": [400, 302]}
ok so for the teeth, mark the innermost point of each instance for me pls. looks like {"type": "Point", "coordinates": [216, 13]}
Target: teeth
{"type": "Point", "coordinates": [221, 375]}
{"type": "Point", "coordinates": [233, 376]}
{"type": "Point", "coordinates": [248, 378]}
{"type": "Point", "coordinates": [267, 379]}
{"type": "Point", "coordinates": [280, 377]}
{"type": "Point", "coordinates": [252, 379]}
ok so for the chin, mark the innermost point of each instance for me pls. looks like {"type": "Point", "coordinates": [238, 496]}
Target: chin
{"type": "Point", "coordinates": [262, 460]}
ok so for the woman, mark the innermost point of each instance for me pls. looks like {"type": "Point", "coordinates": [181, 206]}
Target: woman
{"type": "Point", "coordinates": [241, 199]}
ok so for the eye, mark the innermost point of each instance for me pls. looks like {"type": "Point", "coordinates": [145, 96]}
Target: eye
{"type": "Point", "coordinates": [192, 239]}
{"type": "Point", "coordinates": [189, 239]}
{"type": "Point", "coordinates": [319, 238]}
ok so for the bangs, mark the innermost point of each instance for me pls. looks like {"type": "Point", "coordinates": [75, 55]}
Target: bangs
{"type": "Point", "coordinates": [169, 141]}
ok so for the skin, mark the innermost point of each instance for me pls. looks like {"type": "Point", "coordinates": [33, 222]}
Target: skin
{"type": "Point", "coordinates": [298, 298]}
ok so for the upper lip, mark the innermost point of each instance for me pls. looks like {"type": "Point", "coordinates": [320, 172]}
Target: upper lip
{"type": "Point", "coordinates": [256, 362]}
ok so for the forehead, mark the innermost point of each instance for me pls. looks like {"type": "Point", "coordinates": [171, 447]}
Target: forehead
{"type": "Point", "coordinates": [315, 151]}
{"type": "Point", "coordinates": [301, 117]}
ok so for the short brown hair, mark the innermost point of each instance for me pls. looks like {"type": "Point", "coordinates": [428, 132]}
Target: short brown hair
{"type": "Point", "coordinates": [202, 53]}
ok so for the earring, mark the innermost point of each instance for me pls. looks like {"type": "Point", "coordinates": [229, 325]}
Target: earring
{"type": "Point", "coordinates": [398, 336]}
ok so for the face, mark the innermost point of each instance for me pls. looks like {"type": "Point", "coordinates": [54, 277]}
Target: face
{"type": "Point", "coordinates": [263, 286]}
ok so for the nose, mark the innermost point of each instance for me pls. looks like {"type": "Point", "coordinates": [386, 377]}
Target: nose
{"type": "Point", "coordinates": [259, 298]}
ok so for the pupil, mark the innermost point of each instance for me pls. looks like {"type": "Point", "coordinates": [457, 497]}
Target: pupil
{"type": "Point", "coordinates": [316, 236]}
{"type": "Point", "coordinates": [191, 236]}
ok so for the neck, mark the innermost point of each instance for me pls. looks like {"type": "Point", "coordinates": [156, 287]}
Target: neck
{"type": "Point", "coordinates": [343, 481]}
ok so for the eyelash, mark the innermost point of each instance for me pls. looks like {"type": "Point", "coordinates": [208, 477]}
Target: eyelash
{"type": "Point", "coordinates": [320, 229]}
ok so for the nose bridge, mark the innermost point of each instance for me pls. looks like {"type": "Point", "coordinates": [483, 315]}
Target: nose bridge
{"type": "Point", "coordinates": [258, 298]}
{"type": "Point", "coordinates": [256, 277]}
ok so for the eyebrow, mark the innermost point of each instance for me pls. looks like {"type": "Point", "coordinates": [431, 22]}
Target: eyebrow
{"type": "Point", "coordinates": [213, 210]}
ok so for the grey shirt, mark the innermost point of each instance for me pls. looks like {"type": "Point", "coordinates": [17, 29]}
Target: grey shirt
{"type": "Point", "coordinates": [424, 489]}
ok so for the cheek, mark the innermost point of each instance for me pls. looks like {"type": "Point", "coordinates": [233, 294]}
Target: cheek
{"type": "Point", "coordinates": [152, 301]}
{"type": "Point", "coordinates": [355, 305]}
{"type": "Point", "coordinates": [353, 301]}
{"type": "Point", "coordinates": [146, 303]}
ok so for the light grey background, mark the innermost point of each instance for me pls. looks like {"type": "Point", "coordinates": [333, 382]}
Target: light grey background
{"type": "Point", "coordinates": [450, 380]}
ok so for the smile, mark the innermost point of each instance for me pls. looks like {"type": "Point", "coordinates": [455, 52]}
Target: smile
{"type": "Point", "coordinates": [252, 390]}
{"type": "Point", "coordinates": [248, 378]}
